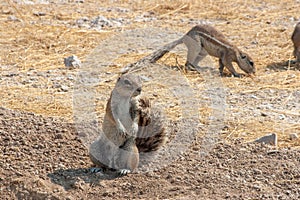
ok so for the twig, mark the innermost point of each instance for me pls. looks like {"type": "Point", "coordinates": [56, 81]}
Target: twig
{"type": "Point", "coordinates": [12, 4]}
{"type": "Point", "coordinates": [174, 11]}
{"type": "Point", "coordinates": [285, 112]}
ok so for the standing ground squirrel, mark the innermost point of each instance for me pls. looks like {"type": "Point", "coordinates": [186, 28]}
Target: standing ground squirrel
{"type": "Point", "coordinates": [296, 41]}
{"type": "Point", "coordinates": [129, 127]}
{"type": "Point", "coordinates": [203, 40]}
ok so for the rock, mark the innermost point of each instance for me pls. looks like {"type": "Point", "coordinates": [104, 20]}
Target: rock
{"type": "Point", "coordinates": [145, 78]}
{"type": "Point", "coordinates": [64, 88]}
{"type": "Point", "coordinates": [80, 22]}
{"type": "Point", "coordinates": [293, 136]}
{"type": "Point", "coordinates": [72, 62]}
{"type": "Point", "coordinates": [270, 139]}
{"type": "Point", "coordinates": [13, 18]}
{"type": "Point", "coordinates": [101, 21]}
{"type": "Point", "coordinates": [39, 14]}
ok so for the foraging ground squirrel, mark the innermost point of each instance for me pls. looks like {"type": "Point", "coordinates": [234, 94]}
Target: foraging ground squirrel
{"type": "Point", "coordinates": [296, 41]}
{"type": "Point", "coordinates": [203, 40]}
{"type": "Point", "coordinates": [130, 126]}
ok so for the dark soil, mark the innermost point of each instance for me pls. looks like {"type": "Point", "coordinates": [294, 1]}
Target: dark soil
{"type": "Point", "coordinates": [44, 159]}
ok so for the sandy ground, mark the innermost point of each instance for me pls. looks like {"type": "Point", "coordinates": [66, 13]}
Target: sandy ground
{"type": "Point", "coordinates": [211, 120]}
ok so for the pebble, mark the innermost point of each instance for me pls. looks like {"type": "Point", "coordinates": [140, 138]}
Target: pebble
{"type": "Point", "coordinates": [145, 78]}
{"type": "Point", "coordinates": [39, 13]}
{"type": "Point", "coordinates": [13, 18]}
{"type": "Point", "coordinates": [293, 136]}
{"type": "Point", "coordinates": [72, 62]}
{"type": "Point", "coordinates": [82, 20]}
{"type": "Point", "coordinates": [64, 88]}
{"type": "Point", "coordinates": [270, 139]}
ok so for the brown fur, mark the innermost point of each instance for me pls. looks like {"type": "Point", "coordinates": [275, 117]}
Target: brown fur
{"type": "Point", "coordinates": [129, 127]}
{"type": "Point", "coordinates": [296, 41]}
{"type": "Point", "coordinates": [203, 40]}
{"type": "Point", "coordinates": [212, 42]}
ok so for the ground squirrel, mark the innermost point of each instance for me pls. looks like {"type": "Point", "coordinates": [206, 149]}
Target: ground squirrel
{"type": "Point", "coordinates": [296, 41]}
{"type": "Point", "coordinates": [129, 127]}
{"type": "Point", "coordinates": [203, 40]}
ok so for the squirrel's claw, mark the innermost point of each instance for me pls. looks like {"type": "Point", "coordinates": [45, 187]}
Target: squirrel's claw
{"type": "Point", "coordinates": [95, 170]}
{"type": "Point", "coordinates": [123, 172]}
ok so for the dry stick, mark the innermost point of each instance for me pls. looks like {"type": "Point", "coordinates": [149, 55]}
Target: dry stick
{"type": "Point", "coordinates": [288, 69]}
{"type": "Point", "coordinates": [287, 99]}
{"type": "Point", "coordinates": [182, 70]}
{"type": "Point", "coordinates": [285, 112]}
{"type": "Point", "coordinates": [12, 4]}
{"type": "Point", "coordinates": [174, 11]}
{"type": "Point", "coordinates": [233, 131]}
{"type": "Point", "coordinates": [152, 8]}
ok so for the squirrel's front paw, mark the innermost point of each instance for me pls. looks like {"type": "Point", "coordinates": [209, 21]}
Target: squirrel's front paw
{"type": "Point", "coordinates": [238, 75]}
{"type": "Point", "coordinates": [122, 130]}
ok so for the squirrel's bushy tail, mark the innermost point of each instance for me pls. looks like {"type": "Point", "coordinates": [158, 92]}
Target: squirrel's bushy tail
{"type": "Point", "coordinates": [162, 51]}
{"type": "Point", "coordinates": [153, 57]}
{"type": "Point", "coordinates": [152, 133]}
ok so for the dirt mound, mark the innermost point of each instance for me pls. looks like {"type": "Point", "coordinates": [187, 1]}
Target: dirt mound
{"type": "Point", "coordinates": [44, 159]}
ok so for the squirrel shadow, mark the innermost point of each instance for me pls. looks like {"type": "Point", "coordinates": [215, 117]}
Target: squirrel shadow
{"type": "Point", "coordinates": [202, 70]}
{"type": "Point", "coordinates": [70, 178]}
{"type": "Point", "coordinates": [284, 65]}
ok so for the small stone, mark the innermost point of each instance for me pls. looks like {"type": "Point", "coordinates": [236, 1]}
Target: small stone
{"type": "Point", "coordinates": [270, 139]}
{"type": "Point", "coordinates": [101, 21]}
{"type": "Point", "coordinates": [70, 78]}
{"type": "Point", "coordinates": [145, 78]}
{"type": "Point", "coordinates": [82, 21]}
{"type": "Point", "coordinates": [293, 136]}
{"type": "Point", "coordinates": [7, 11]}
{"type": "Point", "coordinates": [263, 114]}
{"type": "Point", "coordinates": [72, 62]}
{"type": "Point", "coordinates": [39, 14]}
{"type": "Point", "coordinates": [13, 18]}
{"type": "Point", "coordinates": [59, 136]}
{"type": "Point", "coordinates": [64, 88]}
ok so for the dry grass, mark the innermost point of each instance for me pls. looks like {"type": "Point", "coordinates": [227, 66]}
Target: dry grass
{"type": "Point", "coordinates": [41, 42]}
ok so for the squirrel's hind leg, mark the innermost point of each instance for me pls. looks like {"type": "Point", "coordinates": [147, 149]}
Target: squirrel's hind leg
{"type": "Point", "coordinates": [95, 170]}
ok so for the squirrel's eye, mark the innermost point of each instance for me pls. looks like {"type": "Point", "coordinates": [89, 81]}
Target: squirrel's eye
{"type": "Point", "coordinates": [126, 82]}
{"type": "Point", "coordinates": [243, 56]}
{"type": "Point", "coordinates": [251, 63]}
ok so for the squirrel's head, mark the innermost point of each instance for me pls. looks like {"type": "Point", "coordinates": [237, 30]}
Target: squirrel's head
{"type": "Point", "coordinates": [129, 85]}
{"type": "Point", "coordinates": [246, 63]}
